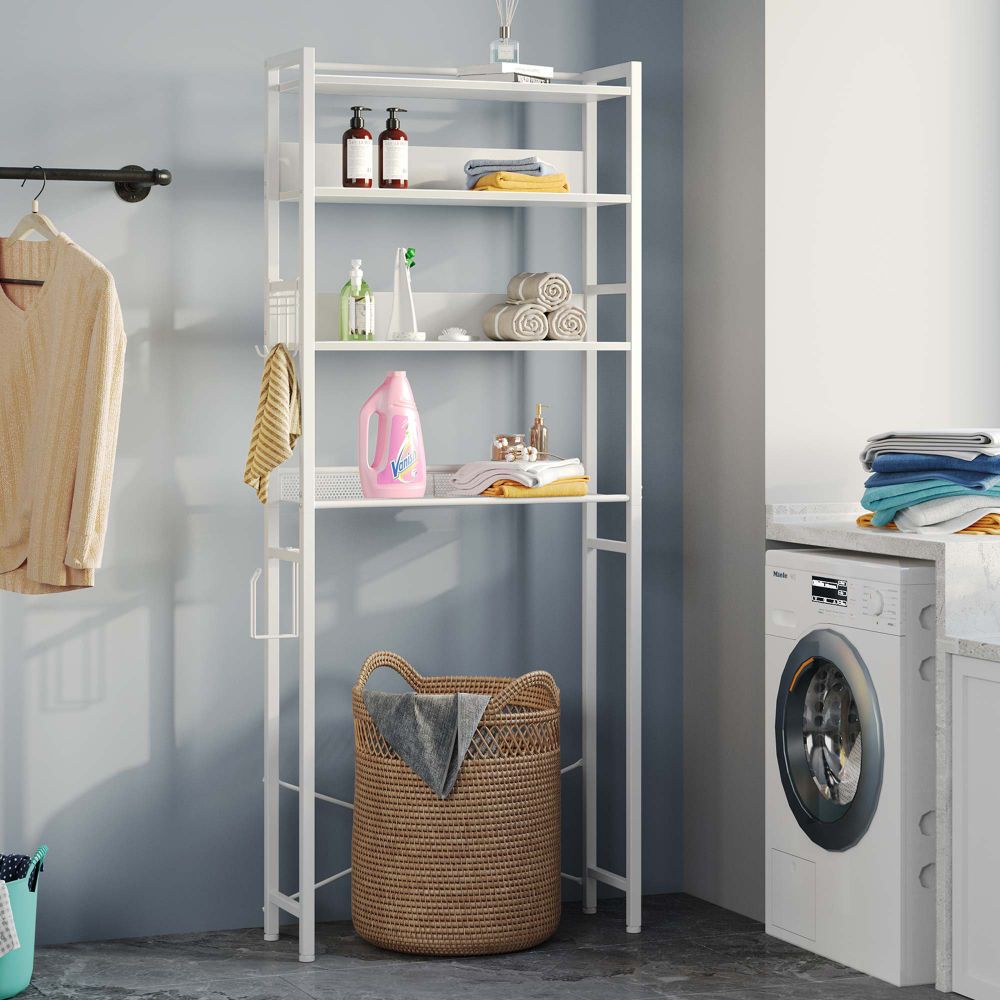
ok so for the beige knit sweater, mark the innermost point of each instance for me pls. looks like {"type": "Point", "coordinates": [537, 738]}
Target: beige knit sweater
{"type": "Point", "coordinates": [62, 351]}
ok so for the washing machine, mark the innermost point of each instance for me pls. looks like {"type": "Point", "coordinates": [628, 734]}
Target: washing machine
{"type": "Point", "coordinates": [850, 760]}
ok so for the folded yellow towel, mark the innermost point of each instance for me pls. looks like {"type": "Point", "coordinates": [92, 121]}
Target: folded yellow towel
{"type": "Point", "coordinates": [988, 524]}
{"type": "Point", "coordinates": [278, 423]}
{"type": "Point", "coordinates": [506, 180]}
{"type": "Point", "coordinates": [572, 487]}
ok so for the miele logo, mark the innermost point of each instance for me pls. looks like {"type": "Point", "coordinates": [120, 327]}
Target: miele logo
{"type": "Point", "coordinates": [779, 573]}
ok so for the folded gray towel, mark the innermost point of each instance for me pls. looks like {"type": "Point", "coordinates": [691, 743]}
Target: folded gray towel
{"type": "Point", "coordinates": [430, 732]}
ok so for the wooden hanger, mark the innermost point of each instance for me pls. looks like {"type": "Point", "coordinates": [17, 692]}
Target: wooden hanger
{"type": "Point", "coordinates": [33, 222]}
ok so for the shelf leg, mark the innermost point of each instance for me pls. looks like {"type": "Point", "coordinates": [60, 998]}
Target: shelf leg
{"type": "Point", "coordinates": [307, 512]}
{"type": "Point", "coordinates": [272, 686]}
{"type": "Point", "coordinates": [588, 685]}
{"type": "Point", "coordinates": [633, 475]}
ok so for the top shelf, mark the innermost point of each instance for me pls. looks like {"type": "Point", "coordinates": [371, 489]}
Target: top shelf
{"type": "Point", "coordinates": [359, 85]}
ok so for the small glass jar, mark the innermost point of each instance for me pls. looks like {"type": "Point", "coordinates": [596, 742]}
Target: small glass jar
{"type": "Point", "coordinates": [504, 48]}
{"type": "Point", "coordinates": [508, 447]}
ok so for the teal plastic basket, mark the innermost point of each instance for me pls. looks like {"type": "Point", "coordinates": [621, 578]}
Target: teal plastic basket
{"type": "Point", "coordinates": [16, 965]}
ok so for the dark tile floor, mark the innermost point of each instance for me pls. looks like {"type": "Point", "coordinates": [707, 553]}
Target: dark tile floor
{"type": "Point", "coordinates": [688, 949]}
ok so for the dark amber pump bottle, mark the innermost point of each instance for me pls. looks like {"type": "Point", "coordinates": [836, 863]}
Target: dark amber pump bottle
{"type": "Point", "coordinates": [393, 154]}
{"type": "Point", "coordinates": [358, 152]}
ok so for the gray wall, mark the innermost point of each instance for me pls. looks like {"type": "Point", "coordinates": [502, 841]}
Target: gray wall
{"type": "Point", "coordinates": [131, 715]}
{"type": "Point", "coordinates": [724, 451]}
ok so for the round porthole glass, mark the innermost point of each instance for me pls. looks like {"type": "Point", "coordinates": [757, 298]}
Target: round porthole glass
{"type": "Point", "coordinates": [829, 740]}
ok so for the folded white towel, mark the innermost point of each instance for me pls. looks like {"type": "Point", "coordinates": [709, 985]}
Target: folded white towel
{"type": "Point", "coordinates": [932, 512]}
{"type": "Point", "coordinates": [516, 321]}
{"type": "Point", "coordinates": [567, 323]}
{"type": "Point", "coordinates": [471, 479]}
{"type": "Point", "coordinates": [8, 932]}
{"type": "Point", "coordinates": [964, 443]}
{"type": "Point", "coordinates": [548, 288]}
{"type": "Point", "coordinates": [910, 519]}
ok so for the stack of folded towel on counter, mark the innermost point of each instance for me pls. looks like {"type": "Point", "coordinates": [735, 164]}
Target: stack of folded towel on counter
{"type": "Point", "coordinates": [527, 174]}
{"type": "Point", "coordinates": [537, 308]}
{"type": "Point", "coordinates": [556, 477]}
{"type": "Point", "coordinates": [933, 482]}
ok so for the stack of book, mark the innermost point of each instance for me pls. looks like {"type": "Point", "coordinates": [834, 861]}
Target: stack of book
{"type": "Point", "coordinates": [507, 72]}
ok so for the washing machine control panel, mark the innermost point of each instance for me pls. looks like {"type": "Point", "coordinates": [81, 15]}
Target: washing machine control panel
{"type": "Point", "coordinates": [799, 599]}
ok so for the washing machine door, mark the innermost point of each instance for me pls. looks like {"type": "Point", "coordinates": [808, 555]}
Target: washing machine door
{"type": "Point", "coordinates": [828, 737]}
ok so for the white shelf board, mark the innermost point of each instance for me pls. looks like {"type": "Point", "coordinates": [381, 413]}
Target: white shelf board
{"type": "Point", "coordinates": [397, 87]}
{"type": "Point", "coordinates": [338, 488]}
{"type": "Point", "coordinates": [482, 199]}
{"type": "Point", "coordinates": [475, 346]}
{"type": "Point", "coordinates": [468, 501]}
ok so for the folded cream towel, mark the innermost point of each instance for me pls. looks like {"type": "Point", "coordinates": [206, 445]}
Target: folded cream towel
{"type": "Point", "coordinates": [567, 323]}
{"type": "Point", "coordinates": [278, 423]}
{"type": "Point", "coordinates": [516, 321]}
{"type": "Point", "coordinates": [548, 288]}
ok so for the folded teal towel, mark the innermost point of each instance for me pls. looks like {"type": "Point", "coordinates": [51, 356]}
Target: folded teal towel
{"type": "Point", "coordinates": [886, 501]}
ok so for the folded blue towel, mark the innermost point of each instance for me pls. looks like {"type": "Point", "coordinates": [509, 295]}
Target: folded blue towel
{"type": "Point", "coordinates": [932, 464]}
{"type": "Point", "coordinates": [886, 501]}
{"type": "Point", "coordinates": [972, 479]}
{"type": "Point", "coordinates": [474, 169]}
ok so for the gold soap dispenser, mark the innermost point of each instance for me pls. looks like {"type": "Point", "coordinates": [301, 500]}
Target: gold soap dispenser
{"type": "Point", "coordinates": [538, 436]}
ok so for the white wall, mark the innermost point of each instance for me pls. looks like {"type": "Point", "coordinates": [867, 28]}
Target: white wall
{"type": "Point", "coordinates": [723, 451]}
{"type": "Point", "coordinates": [883, 244]}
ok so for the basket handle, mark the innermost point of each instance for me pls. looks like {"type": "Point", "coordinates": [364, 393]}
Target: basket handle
{"type": "Point", "coordinates": [384, 658]}
{"type": "Point", "coordinates": [35, 866]}
{"type": "Point", "coordinates": [533, 679]}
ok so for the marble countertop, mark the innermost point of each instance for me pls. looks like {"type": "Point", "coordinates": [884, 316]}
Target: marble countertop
{"type": "Point", "coordinates": [968, 567]}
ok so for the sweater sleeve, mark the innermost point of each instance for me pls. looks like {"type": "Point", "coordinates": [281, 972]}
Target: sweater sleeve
{"type": "Point", "coordinates": [98, 432]}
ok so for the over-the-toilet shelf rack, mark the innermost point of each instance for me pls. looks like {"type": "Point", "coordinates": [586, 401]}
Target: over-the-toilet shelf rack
{"type": "Point", "coordinates": [290, 316]}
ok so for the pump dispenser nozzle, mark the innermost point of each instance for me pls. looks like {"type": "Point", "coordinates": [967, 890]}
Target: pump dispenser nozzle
{"type": "Point", "coordinates": [392, 121]}
{"type": "Point", "coordinates": [356, 120]}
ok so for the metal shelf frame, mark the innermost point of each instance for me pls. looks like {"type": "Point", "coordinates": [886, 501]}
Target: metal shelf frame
{"type": "Point", "coordinates": [298, 73]}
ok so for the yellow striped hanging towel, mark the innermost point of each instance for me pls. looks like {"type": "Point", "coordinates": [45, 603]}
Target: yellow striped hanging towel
{"type": "Point", "coordinates": [278, 423]}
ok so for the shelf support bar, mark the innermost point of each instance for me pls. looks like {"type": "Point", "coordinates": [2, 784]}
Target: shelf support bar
{"type": "Point", "coordinates": [589, 524]}
{"type": "Point", "coordinates": [272, 676]}
{"type": "Point", "coordinates": [307, 512]}
{"type": "Point", "coordinates": [607, 545]}
{"type": "Point", "coordinates": [633, 525]}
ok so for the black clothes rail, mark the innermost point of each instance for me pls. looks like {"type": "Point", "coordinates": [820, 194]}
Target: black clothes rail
{"type": "Point", "coordinates": [132, 183]}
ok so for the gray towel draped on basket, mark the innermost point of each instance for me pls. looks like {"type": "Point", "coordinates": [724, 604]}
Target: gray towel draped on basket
{"type": "Point", "coordinates": [430, 732]}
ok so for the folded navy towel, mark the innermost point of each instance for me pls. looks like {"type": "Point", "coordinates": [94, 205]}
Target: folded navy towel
{"type": "Point", "coordinates": [430, 732]}
{"type": "Point", "coordinates": [971, 479]}
{"type": "Point", "coordinates": [900, 462]}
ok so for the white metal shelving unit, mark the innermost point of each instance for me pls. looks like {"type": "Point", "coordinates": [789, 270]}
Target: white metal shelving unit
{"type": "Point", "coordinates": [291, 317]}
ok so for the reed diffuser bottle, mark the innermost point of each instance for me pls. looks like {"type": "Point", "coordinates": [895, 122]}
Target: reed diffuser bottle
{"type": "Point", "coordinates": [505, 49]}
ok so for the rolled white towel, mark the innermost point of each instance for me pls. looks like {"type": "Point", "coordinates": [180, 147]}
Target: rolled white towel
{"type": "Point", "coordinates": [516, 321]}
{"type": "Point", "coordinates": [567, 323]}
{"type": "Point", "coordinates": [548, 288]}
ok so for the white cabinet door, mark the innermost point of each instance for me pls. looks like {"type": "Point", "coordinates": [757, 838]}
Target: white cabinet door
{"type": "Point", "coordinates": [976, 827]}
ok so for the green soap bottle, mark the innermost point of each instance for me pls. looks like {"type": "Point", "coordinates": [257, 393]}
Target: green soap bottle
{"type": "Point", "coordinates": [357, 307]}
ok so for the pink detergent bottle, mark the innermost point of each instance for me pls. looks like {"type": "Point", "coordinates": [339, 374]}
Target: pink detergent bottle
{"type": "Point", "coordinates": [399, 470]}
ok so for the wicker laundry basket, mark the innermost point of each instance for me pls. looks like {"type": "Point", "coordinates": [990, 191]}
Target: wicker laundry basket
{"type": "Point", "coordinates": [475, 873]}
